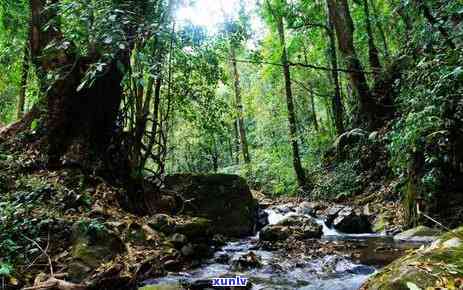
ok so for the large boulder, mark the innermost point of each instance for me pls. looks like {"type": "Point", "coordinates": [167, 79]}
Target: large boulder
{"type": "Point", "coordinates": [349, 222]}
{"type": "Point", "coordinates": [421, 234]}
{"type": "Point", "coordinates": [437, 266]}
{"type": "Point", "coordinates": [224, 199]}
{"type": "Point", "coordinates": [300, 227]}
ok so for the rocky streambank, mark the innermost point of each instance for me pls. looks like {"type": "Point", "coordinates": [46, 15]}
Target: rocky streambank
{"type": "Point", "coordinates": [300, 248]}
{"type": "Point", "coordinates": [220, 228]}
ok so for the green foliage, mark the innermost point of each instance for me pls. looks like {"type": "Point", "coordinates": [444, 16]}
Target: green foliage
{"type": "Point", "coordinates": [431, 112]}
{"type": "Point", "coordinates": [6, 269]}
{"type": "Point", "coordinates": [342, 181]}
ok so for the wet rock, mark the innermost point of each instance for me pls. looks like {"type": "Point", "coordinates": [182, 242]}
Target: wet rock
{"type": "Point", "coordinates": [219, 240]}
{"type": "Point", "coordinates": [246, 262]}
{"type": "Point", "coordinates": [178, 240]}
{"type": "Point", "coordinates": [196, 229]}
{"type": "Point", "coordinates": [331, 214]}
{"type": "Point", "coordinates": [307, 208]}
{"type": "Point", "coordinates": [172, 265]}
{"type": "Point", "coordinates": [273, 233]}
{"type": "Point", "coordinates": [419, 234]}
{"type": "Point", "coordinates": [162, 223]}
{"type": "Point", "coordinates": [347, 221]}
{"type": "Point", "coordinates": [188, 250]}
{"type": "Point", "coordinates": [92, 245]}
{"type": "Point", "coordinates": [224, 199]}
{"type": "Point", "coordinates": [262, 219]}
{"type": "Point", "coordinates": [301, 227]}
{"type": "Point", "coordinates": [222, 259]}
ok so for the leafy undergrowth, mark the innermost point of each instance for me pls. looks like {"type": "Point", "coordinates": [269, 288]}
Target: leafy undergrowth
{"type": "Point", "coordinates": [44, 215]}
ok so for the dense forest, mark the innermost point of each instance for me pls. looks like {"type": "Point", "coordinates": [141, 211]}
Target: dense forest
{"type": "Point", "coordinates": [165, 144]}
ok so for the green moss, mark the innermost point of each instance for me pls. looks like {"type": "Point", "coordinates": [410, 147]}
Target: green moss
{"type": "Point", "coordinates": [424, 267]}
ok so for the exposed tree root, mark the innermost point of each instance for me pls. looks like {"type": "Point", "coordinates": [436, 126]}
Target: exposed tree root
{"type": "Point", "coordinates": [57, 284]}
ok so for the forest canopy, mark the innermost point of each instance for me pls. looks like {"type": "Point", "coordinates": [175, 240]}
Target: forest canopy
{"type": "Point", "coordinates": [277, 91]}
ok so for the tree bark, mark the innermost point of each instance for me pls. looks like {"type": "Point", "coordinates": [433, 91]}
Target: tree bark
{"type": "Point", "coordinates": [236, 141]}
{"type": "Point", "coordinates": [336, 102]}
{"type": "Point", "coordinates": [344, 27]}
{"type": "Point", "coordinates": [314, 113]}
{"type": "Point", "coordinates": [373, 54]}
{"type": "Point", "coordinates": [23, 84]}
{"type": "Point", "coordinates": [239, 108]}
{"type": "Point", "coordinates": [300, 174]}
{"type": "Point", "coordinates": [85, 119]}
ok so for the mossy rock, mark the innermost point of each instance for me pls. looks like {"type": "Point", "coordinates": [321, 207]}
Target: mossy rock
{"type": "Point", "coordinates": [426, 268]}
{"type": "Point", "coordinates": [224, 199]}
{"type": "Point", "coordinates": [195, 228]}
{"type": "Point", "coordinates": [418, 234]}
{"type": "Point", "coordinates": [162, 223]}
{"type": "Point", "coordinates": [92, 245]}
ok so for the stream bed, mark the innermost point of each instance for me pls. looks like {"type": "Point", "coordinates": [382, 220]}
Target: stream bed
{"type": "Point", "coordinates": [281, 270]}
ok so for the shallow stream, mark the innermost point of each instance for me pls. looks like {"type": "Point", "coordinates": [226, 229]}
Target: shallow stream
{"type": "Point", "coordinates": [281, 271]}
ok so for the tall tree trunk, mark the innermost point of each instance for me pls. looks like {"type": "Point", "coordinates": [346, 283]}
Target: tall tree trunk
{"type": "Point", "coordinates": [22, 89]}
{"type": "Point", "coordinates": [314, 113]}
{"type": "Point", "coordinates": [239, 108]}
{"type": "Point", "coordinates": [336, 102]}
{"type": "Point", "coordinates": [344, 27]}
{"type": "Point", "coordinates": [300, 174]}
{"type": "Point", "coordinates": [311, 97]}
{"type": "Point", "coordinates": [373, 54]}
{"type": "Point", "coordinates": [380, 29]}
{"type": "Point", "coordinates": [85, 118]}
{"type": "Point", "coordinates": [236, 141]}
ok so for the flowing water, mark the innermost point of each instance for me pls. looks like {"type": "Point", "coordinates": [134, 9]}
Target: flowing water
{"type": "Point", "coordinates": [279, 271]}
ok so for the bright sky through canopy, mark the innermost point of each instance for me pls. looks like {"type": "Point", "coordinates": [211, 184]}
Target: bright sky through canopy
{"type": "Point", "coordinates": [207, 13]}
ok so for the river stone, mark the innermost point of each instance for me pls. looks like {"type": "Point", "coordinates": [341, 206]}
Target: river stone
{"type": "Point", "coordinates": [226, 200]}
{"type": "Point", "coordinates": [424, 267]}
{"type": "Point", "coordinates": [188, 250]}
{"type": "Point", "coordinates": [347, 221]}
{"type": "Point", "coordinates": [301, 227]}
{"type": "Point", "coordinates": [178, 240]}
{"type": "Point", "coordinates": [308, 208]}
{"type": "Point", "coordinates": [246, 262]}
{"type": "Point", "coordinates": [262, 219]}
{"type": "Point", "coordinates": [273, 233]}
{"type": "Point", "coordinates": [332, 213]}
{"type": "Point", "coordinates": [421, 234]}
